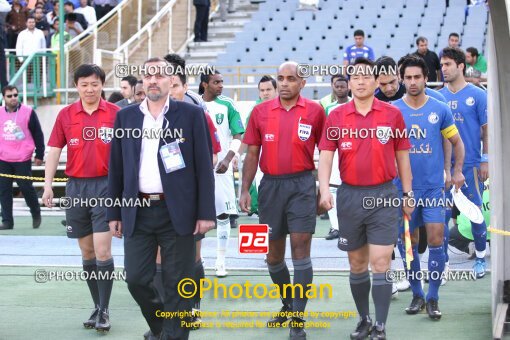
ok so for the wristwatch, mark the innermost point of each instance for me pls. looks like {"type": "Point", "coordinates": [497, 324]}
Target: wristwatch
{"type": "Point", "coordinates": [409, 194]}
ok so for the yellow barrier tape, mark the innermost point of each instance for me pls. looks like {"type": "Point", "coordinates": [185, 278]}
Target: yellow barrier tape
{"type": "Point", "coordinates": [32, 178]}
{"type": "Point", "coordinates": [498, 231]}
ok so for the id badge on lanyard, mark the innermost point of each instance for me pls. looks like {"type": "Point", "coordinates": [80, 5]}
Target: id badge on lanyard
{"type": "Point", "coordinates": [171, 155]}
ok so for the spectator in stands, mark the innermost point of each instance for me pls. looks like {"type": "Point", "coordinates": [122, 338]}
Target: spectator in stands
{"type": "Point", "coordinates": [390, 88]}
{"type": "Point", "coordinates": [430, 58]}
{"type": "Point", "coordinates": [476, 66]}
{"type": "Point", "coordinates": [69, 8]}
{"type": "Point", "coordinates": [51, 16]}
{"type": "Point", "coordinates": [22, 134]}
{"type": "Point", "coordinates": [4, 9]}
{"type": "Point", "coordinates": [127, 89]}
{"type": "Point", "coordinates": [87, 11]}
{"type": "Point", "coordinates": [48, 6]}
{"type": "Point", "coordinates": [224, 9]}
{"type": "Point", "coordinates": [453, 41]}
{"type": "Point", "coordinates": [102, 7]}
{"type": "Point", "coordinates": [55, 40]}
{"type": "Point", "coordinates": [359, 49]}
{"type": "Point", "coordinates": [30, 40]}
{"type": "Point", "coordinates": [40, 21]}
{"type": "Point", "coordinates": [139, 92]}
{"type": "Point", "coordinates": [16, 22]}
{"type": "Point", "coordinates": [72, 26]}
{"type": "Point", "coordinates": [202, 19]}
{"type": "Point", "coordinates": [115, 97]}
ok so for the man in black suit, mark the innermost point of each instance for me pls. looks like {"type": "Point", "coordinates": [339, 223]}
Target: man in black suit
{"type": "Point", "coordinates": [181, 193]}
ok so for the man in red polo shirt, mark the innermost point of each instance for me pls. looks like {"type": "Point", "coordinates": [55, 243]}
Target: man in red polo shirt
{"type": "Point", "coordinates": [368, 135]}
{"type": "Point", "coordinates": [86, 127]}
{"type": "Point", "coordinates": [287, 129]}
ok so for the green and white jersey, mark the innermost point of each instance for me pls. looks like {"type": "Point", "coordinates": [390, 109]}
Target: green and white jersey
{"type": "Point", "coordinates": [334, 105]}
{"type": "Point", "coordinates": [227, 120]}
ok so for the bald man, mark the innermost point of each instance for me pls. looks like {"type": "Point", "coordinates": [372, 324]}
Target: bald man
{"type": "Point", "coordinates": [287, 196]}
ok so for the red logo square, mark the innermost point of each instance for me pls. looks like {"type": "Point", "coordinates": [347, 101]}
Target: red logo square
{"type": "Point", "coordinates": [253, 239]}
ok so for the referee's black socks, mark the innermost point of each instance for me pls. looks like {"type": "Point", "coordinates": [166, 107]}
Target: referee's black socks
{"type": "Point", "coordinates": [381, 294]}
{"type": "Point", "coordinates": [360, 289]}
{"type": "Point", "coordinates": [303, 275]}
{"type": "Point", "coordinates": [104, 282]}
{"type": "Point", "coordinates": [89, 266]}
{"type": "Point", "coordinates": [280, 275]}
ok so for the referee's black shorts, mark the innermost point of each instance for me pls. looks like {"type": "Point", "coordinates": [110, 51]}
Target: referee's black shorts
{"type": "Point", "coordinates": [288, 204]}
{"type": "Point", "coordinates": [360, 222]}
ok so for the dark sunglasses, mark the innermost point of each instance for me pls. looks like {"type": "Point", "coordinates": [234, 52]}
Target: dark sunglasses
{"type": "Point", "coordinates": [15, 95]}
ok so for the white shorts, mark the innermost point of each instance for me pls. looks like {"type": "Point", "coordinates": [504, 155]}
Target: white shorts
{"type": "Point", "coordinates": [225, 196]}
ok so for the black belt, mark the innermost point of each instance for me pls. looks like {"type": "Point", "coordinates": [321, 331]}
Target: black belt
{"type": "Point", "coordinates": [152, 197]}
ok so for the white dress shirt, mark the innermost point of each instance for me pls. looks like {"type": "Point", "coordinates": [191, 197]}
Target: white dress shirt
{"type": "Point", "coordinates": [30, 42]}
{"type": "Point", "coordinates": [89, 13]}
{"type": "Point", "coordinates": [149, 177]}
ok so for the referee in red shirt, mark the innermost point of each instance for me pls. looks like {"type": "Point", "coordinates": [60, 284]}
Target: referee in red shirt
{"type": "Point", "coordinates": [367, 231]}
{"type": "Point", "coordinates": [287, 129]}
{"type": "Point", "coordinates": [86, 128]}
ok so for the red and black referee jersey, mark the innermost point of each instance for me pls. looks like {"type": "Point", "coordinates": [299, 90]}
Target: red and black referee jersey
{"type": "Point", "coordinates": [288, 138]}
{"type": "Point", "coordinates": [87, 137]}
{"type": "Point", "coordinates": [365, 161]}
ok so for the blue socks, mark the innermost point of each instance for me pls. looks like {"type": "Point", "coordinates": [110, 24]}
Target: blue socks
{"type": "Point", "coordinates": [436, 268]}
{"type": "Point", "coordinates": [480, 237]}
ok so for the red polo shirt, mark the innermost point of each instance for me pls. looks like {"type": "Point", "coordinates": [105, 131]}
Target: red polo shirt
{"type": "Point", "coordinates": [89, 156]}
{"type": "Point", "coordinates": [365, 161]}
{"type": "Point", "coordinates": [288, 138]}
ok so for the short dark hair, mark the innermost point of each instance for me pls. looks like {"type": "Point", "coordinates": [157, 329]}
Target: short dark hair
{"type": "Point", "coordinates": [30, 17]}
{"type": "Point", "coordinates": [384, 64]}
{"type": "Point", "coordinates": [267, 78]}
{"type": "Point", "coordinates": [69, 3]}
{"type": "Point", "coordinates": [414, 60]}
{"type": "Point", "coordinates": [401, 60]}
{"type": "Point", "coordinates": [131, 80]}
{"type": "Point", "coordinates": [473, 51]}
{"type": "Point", "coordinates": [368, 62]}
{"type": "Point", "coordinates": [456, 54]}
{"type": "Point", "coordinates": [359, 33]}
{"type": "Point", "coordinates": [421, 39]}
{"type": "Point", "coordinates": [453, 34]}
{"type": "Point", "coordinates": [175, 60]}
{"type": "Point", "coordinates": [8, 88]}
{"type": "Point", "coordinates": [115, 97]}
{"type": "Point", "coordinates": [72, 17]}
{"type": "Point", "coordinates": [338, 77]}
{"type": "Point", "coordinates": [87, 70]}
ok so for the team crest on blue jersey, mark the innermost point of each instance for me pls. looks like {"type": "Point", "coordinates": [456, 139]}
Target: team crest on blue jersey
{"type": "Point", "coordinates": [219, 118]}
{"type": "Point", "coordinates": [383, 134]}
{"type": "Point", "coordinates": [106, 134]}
{"type": "Point", "coordinates": [470, 101]}
{"type": "Point", "coordinates": [433, 118]}
{"type": "Point", "coordinates": [304, 131]}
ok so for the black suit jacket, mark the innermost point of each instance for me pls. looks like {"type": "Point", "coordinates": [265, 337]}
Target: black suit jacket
{"type": "Point", "coordinates": [189, 192]}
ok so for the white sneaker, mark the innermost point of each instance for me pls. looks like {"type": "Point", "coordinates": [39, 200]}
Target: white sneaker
{"type": "Point", "coordinates": [403, 285]}
{"type": "Point", "coordinates": [394, 291]}
{"type": "Point", "coordinates": [220, 270]}
{"type": "Point", "coordinates": [445, 273]}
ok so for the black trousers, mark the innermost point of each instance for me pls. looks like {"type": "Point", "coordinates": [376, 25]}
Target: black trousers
{"type": "Point", "coordinates": [201, 22]}
{"type": "Point", "coordinates": [153, 227]}
{"type": "Point", "coordinates": [26, 187]}
{"type": "Point", "coordinates": [458, 241]}
{"type": "Point", "coordinates": [101, 11]}
{"type": "Point", "coordinates": [3, 65]}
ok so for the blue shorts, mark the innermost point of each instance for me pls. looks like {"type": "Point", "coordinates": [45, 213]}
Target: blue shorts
{"type": "Point", "coordinates": [429, 208]}
{"type": "Point", "coordinates": [474, 189]}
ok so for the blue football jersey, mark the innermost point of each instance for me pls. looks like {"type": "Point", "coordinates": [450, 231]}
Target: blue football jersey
{"type": "Point", "coordinates": [469, 109]}
{"type": "Point", "coordinates": [426, 127]}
